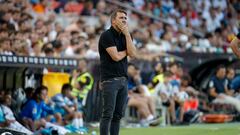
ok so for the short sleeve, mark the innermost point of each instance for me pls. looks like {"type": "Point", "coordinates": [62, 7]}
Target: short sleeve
{"type": "Point", "coordinates": [211, 84]}
{"type": "Point", "coordinates": [107, 40]}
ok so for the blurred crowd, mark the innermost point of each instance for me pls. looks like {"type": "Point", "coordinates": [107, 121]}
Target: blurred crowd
{"type": "Point", "coordinates": [71, 28]}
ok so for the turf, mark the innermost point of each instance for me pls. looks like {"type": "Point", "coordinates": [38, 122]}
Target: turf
{"type": "Point", "coordinates": [198, 129]}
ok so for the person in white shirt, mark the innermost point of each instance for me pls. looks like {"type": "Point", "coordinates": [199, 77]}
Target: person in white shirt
{"type": "Point", "coordinates": [166, 92]}
{"type": "Point", "coordinates": [8, 116]}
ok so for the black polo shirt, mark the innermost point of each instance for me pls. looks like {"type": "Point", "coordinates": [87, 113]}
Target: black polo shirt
{"type": "Point", "coordinates": [108, 67]}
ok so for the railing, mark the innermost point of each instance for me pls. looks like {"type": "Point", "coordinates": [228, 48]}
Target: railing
{"type": "Point", "coordinates": [38, 62]}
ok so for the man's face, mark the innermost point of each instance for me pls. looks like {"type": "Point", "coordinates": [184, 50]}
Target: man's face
{"type": "Point", "coordinates": [43, 95]}
{"type": "Point", "coordinates": [67, 92]}
{"type": "Point", "coordinates": [221, 73]}
{"type": "Point", "coordinates": [121, 17]}
{"type": "Point", "coordinates": [231, 74]}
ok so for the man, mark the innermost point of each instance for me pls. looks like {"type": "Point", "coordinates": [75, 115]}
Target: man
{"type": "Point", "coordinates": [139, 98]}
{"type": "Point", "coordinates": [35, 110]}
{"type": "Point", "coordinates": [66, 105]}
{"type": "Point", "coordinates": [7, 118]}
{"type": "Point", "coordinates": [115, 45]}
{"type": "Point", "coordinates": [219, 84]}
{"type": "Point", "coordinates": [219, 91]}
{"type": "Point", "coordinates": [235, 44]}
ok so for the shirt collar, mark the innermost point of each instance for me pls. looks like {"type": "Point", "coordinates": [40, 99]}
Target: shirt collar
{"type": "Point", "coordinates": [115, 32]}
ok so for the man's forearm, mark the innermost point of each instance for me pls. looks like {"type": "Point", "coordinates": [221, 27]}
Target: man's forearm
{"type": "Point", "coordinates": [131, 49]}
{"type": "Point", "coordinates": [122, 54]}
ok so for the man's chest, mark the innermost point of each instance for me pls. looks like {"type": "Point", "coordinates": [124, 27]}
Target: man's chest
{"type": "Point", "coordinates": [120, 43]}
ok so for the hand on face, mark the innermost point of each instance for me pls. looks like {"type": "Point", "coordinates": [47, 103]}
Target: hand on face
{"type": "Point", "coordinates": [122, 25]}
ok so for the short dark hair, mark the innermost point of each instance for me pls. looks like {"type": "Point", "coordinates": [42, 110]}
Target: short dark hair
{"type": "Point", "coordinates": [38, 91]}
{"type": "Point", "coordinates": [219, 67]}
{"type": "Point", "coordinates": [66, 86]}
{"type": "Point", "coordinates": [114, 14]}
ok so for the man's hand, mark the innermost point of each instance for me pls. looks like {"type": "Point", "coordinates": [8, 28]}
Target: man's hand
{"type": "Point", "coordinates": [123, 27]}
{"type": "Point", "coordinates": [8, 122]}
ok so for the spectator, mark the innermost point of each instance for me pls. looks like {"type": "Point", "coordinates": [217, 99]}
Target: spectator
{"type": "Point", "coordinates": [219, 84]}
{"type": "Point", "coordinates": [5, 47]}
{"type": "Point", "coordinates": [36, 110]}
{"type": "Point", "coordinates": [187, 98]}
{"type": "Point", "coordinates": [139, 98]}
{"type": "Point", "coordinates": [7, 116]}
{"type": "Point", "coordinates": [67, 106]}
{"type": "Point", "coordinates": [230, 75]}
{"type": "Point", "coordinates": [218, 89]}
{"type": "Point", "coordinates": [164, 90]}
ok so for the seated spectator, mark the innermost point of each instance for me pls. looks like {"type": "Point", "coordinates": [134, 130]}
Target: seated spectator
{"type": "Point", "coordinates": [66, 105]}
{"type": "Point", "coordinates": [219, 84]}
{"type": "Point", "coordinates": [174, 68]}
{"type": "Point", "coordinates": [37, 111]}
{"type": "Point", "coordinates": [139, 99]}
{"type": "Point", "coordinates": [29, 93]}
{"type": "Point", "coordinates": [5, 47]}
{"type": "Point", "coordinates": [165, 91]}
{"type": "Point", "coordinates": [7, 118]}
{"type": "Point", "coordinates": [186, 98]}
{"type": "Point", "coordinates": [219, 91]}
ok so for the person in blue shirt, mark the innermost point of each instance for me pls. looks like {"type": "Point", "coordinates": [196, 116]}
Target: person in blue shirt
{"type": "Point", "coordinates": [138, 98]}
{"type": "Point", "coordinates": [35, 109]}
{"type": "Point", "coordinates": [219, 84]}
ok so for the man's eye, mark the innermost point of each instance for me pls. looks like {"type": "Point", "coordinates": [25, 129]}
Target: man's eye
{"type": "Point", "coordinates": [123, 18]}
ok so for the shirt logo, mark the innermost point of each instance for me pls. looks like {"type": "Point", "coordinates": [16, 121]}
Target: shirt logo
{"type": "Point", "coordinates": [34, 111]}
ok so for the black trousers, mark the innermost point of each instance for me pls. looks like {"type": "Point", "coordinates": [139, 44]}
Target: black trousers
{"type": "Point", "coordinates": [114, 96]}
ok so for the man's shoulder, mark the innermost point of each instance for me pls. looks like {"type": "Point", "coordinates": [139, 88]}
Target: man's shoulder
{"type": "Point", "coordinates": [31, 103]}
{"type": "Point", "coordinates": [58, 96]}
{"type": "Point", "coordinates": [213, 78]}
{"type": "Point", "coordinates": [106, 33]}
